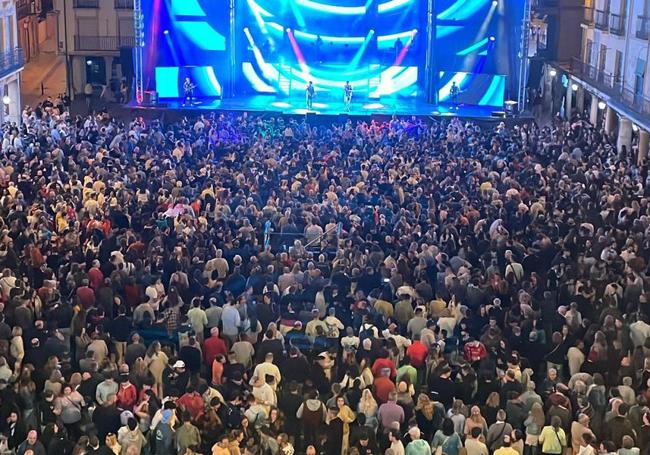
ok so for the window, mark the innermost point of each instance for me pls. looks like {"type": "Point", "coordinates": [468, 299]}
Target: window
{"type": "Point", "coordinates": [618, 63]}
{"type": "Point", "coordinates": [12, 40]}
{"type": "Point", "coordinates": [588, 51]}
{"type": "Point", "coordinates": [602, 57]}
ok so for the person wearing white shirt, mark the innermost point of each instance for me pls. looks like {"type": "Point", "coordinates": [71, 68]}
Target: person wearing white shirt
{"type": "Point", "coordinates": [268, 368]}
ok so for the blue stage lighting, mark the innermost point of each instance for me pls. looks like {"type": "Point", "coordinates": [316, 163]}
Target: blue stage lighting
{"type": "Point", "coordinates": [492, 38]}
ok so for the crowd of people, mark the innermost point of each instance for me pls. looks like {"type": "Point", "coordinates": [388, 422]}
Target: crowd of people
{"type": "Point", "coordinates": [236, 284]}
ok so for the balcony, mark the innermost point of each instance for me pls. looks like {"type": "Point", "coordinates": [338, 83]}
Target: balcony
{"type": "Point", "coordinates": [602, 80]}
{"type": "Point", "coordinates": [102, 43]}
{"type": "Point", "coordinates": [588, 18]}
{"type": "Point", "coordinates": [123, 4]}
{"type": "Point", "coordinates": [11, 61]}
{"type": "Point", "coordinates": [25, 8]}
{"type": "Point", "coordinates": [612, 86]}
{"type": "Point", "coordinates": [601, 19]}
{"type": "Point", "coordinates": [643, 27]}
{"type": "Point", "coordinates": [617, 24]}
{"type": "Point", "coordinates": [86, 4]}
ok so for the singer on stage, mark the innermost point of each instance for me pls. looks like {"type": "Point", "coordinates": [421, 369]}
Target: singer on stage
{"type": "Point", "coordinates": [310, 91]}
{"type": "Point", "coordinates": [347, 95]}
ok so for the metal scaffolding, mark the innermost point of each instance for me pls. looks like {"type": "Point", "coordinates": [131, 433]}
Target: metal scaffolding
{"type": "Point", "coordinates": [138, 50]}
{"type": "Point", "coordinates": [523, 57]}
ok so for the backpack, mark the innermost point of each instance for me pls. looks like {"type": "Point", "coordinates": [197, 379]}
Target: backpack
{"type": "Point", "coordinates": [366, 332]}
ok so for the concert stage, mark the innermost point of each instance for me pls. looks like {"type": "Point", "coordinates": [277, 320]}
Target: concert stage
{"type": "Point", "coordinates": [324, 108]}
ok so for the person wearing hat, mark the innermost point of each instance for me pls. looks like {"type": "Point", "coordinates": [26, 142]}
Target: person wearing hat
{"type": "Point", "coordinates": [164, 435]}
{"type": "Point", "coordinates": [176, 377]}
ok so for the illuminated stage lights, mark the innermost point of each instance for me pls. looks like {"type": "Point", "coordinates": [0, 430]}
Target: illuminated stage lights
{"type": "Point", "coordinates": [165, 32]}
{"type": "Point", "coordinates": [492, 38]}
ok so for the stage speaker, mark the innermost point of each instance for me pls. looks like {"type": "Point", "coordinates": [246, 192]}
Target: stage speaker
{"type": "Point", "coordinates": [126, 61]}
{"type": "Point", "coordinates": [498, 114]}
{"type": "Point", "coordinates": [312, 117]}
{"type": "Point", "coordinates": [343, 118]}
{"type": "Point", "coordinates": [150, 97]}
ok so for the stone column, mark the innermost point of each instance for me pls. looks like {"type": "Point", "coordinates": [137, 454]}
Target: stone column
{"type": "Point", "coordinates": [580, 100]}
{"type": "Point", "coordinates": [644, 142]}
{"type": "Point", "coordinates": [568, 99]}
{"type": "Point", "coordinates": [610, 120]}
{"type": "Point", "coordinates": [593, 113]}
{"type": "Point", "coordinates": [624, 134]}
{"type": "Point", "coordinates": [14, 105]}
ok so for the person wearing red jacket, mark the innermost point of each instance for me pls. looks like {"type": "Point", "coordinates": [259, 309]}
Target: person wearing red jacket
{"type": "Point", "coordinates": [474, 351]}
{"type": "Point", "coordinates": [383, 362]}
{"type": "Point", "coordinates": [127, 394]}
{"type": "Point", "coordinates": [192, 402]}
{"type": "Point", "coordinates": [417, 352]}
{"type": "Point", "coordinates": [213, 346]}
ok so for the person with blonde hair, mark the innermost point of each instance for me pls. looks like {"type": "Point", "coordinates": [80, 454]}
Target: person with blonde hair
{"type": "Point", "coordinates": [534, 424]}
{"type": "Point", "coordinates": [475, 420]}
{"type": "Point", "coordinates": [368, 407]}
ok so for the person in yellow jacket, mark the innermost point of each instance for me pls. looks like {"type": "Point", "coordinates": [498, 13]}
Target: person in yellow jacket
{"type": "Point", "coordinates": [553, 438]}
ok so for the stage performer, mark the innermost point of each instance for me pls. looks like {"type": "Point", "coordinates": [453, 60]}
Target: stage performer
{"type": "Point", "coordinates": [347, 95]}
{"type": "Point", "coordinates": [188, 91]}
{"type": "Point", "coordinates": [310, 91]}
{"type": "Point", "coordinates": [454, 91]}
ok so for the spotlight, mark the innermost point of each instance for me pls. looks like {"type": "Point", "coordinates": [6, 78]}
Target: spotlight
{"type": "Point", "coordinates": [553, 73]}
{"type": "Point", "coordinates": [165, 32]}
{"type": "Point", "coordinates": [495, 2]}
{"type": "Point", "coordinates": [246, 30]}
{"type": "Point", "coordinates": [635, 128]}
{"type": "Point", "coordinates": [492, 38]}
{"type": "Point", "coordinates": [574, 87]}
{"type": "Point", "coordinates": [414, 31]}
{"type": "Point", "coordinates": [288, 30]}
{"type": "Point", "coordinates": [89, 62]}
{"type": "Point", "coordinates": [602, 105]}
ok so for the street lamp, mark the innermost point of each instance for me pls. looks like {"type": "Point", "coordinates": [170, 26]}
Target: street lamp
{"type": "Point", "coordinates": [602, 105]}
{"type": "Point", "coordinates": [6, 100]}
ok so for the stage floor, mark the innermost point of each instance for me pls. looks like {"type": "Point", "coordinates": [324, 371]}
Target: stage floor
{"type": "Point", "coordinates": [296, 106]}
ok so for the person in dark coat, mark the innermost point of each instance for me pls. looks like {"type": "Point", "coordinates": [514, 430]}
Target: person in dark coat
{"type": "Point", "coordinates": [443, 386]}
{"type": "Point", "coordinates": [107, 418]}
{"type": "Point", "coordinates": [334, 431]}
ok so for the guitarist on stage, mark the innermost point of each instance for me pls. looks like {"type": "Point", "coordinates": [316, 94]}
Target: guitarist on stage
{"type": "Point", "coordinates": [188, 91]}
{"type": "Point", "coordinates": [454, 91]}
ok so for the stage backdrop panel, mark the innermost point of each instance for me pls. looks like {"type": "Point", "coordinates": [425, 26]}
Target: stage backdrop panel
{"type": "Point", "coordinates": [380, 46]}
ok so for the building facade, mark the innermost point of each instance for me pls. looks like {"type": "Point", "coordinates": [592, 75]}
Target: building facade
{"type": "Point", "coordinates": [36, 24]}
{"type": "Point", "coordinates": [607, 77]}
{"type": "Point", "coordinates": [12, 62]}
{"type": "Point", "coordinates": [93, 34]}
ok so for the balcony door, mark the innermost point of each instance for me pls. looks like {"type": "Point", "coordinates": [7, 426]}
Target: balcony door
{"type": "Point", "coordinates": [602, 61]}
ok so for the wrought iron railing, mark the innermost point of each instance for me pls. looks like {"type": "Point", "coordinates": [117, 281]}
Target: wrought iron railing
{"type": "Point", "coordinates": [643, 27]}
{"type": "Point", "coordinates": [601, 18]}
{"type": "Point", "coordinates": [24, 8]}
{"type": "Point", "coordinates": [86, 3]}
{"type": "Point", "coordinates": [11, 61]}
{"type": "Point", "coordinates": [102, 43]}
{"type": "Point", "coordinates": [612, 86]}
{"type": "Point", "coordinates": [617, 24]}
{"type": "Point", "coordinates": [123, 4]}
